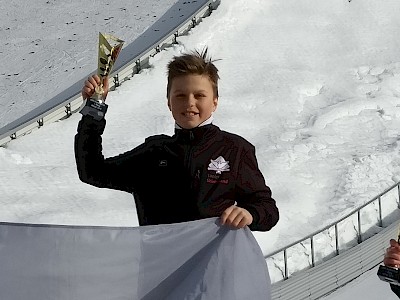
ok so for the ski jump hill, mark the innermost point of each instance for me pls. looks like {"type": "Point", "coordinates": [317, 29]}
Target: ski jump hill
{"type": "Point", "coordinates": [322, 273]}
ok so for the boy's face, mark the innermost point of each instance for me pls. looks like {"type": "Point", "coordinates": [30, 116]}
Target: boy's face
{"type": "Point", "coordinates": [191, 100]}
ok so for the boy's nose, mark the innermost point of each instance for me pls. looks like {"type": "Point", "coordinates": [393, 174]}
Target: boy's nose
{"type": "Point", "coordinates": [191, 101]}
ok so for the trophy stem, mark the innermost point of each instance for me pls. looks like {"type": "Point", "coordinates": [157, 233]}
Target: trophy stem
{"type": "Point", "coordinates": [98, 93]}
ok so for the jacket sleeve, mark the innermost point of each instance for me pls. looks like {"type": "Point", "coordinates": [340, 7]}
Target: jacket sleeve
{"type": "Point", "coordinates": [92, 167]}
{"type": "Point", "coordinates": [254, 194]}
{"type": "Point", "coordinates": [395, 289]}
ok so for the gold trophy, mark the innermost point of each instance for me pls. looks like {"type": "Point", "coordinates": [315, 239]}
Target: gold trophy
{"type": "Point", "coordinates": [109, 49]}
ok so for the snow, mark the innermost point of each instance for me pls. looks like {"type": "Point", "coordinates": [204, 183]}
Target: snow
{"type": "Point", "coordinates": [50, 45]}
{"type": "Point", "coordinates": [314, 85]}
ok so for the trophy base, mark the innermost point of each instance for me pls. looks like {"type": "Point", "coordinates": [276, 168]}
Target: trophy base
{"type": "Point", "coordinates": [389, 275]}
{"type": "Point", "coordinates": [94, 108]}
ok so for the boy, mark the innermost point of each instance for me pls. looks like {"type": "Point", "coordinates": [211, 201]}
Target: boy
{"type": "Point", "coordinates": [197, 173]}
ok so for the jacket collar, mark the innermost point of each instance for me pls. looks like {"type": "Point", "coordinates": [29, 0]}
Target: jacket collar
{"type": "Point", "coordinates": [206, 122]}
{"type": "Point", "coordinates": [195, 135]}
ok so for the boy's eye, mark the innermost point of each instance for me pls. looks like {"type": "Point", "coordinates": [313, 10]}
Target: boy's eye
{"type": "Point", "coordinates": [200, 95]}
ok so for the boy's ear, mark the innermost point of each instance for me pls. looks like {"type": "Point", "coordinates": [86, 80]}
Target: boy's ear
{"type": "Point", "coordinates": [215, 103]}
{"type": "Point", "coordinates": [169, 104]}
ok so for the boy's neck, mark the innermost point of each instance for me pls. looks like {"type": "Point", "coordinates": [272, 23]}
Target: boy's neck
{"type": "Point", "coordinates": [205, 122]}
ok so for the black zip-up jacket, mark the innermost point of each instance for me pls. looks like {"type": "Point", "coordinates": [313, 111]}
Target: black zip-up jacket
{"type": "Point", "coordinates": [194, 174]}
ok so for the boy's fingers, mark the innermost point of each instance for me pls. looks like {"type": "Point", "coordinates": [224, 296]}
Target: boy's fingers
{"type": "Point", "coordinates": [242, 223]}
{"type": "Point", "coordinates": [90, 85]}
{"type": "Point", "coordinates": [96, 78]}
{"type": "Point", "coordinates": [391, 262]}
{"type": "Point", "coordinates": [86, 92]}
{"type": "Point", "coordinates": [239, 221]}
{"type": "Point", "coordinates": [87, 89]}
{"type": "Point", "coordinates": [236, 217]}
{"type": "Point", "coordinates": [393, 253]}
{"type": "Point", "coordinates": [226, 214]}
{"type": "Point", "coordinates": [394, 243]}
{"type": "Point", "coordinates": [91, 81]}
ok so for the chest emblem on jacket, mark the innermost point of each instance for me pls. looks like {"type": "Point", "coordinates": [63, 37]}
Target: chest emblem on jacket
{"type": "Point", "coordinates": [219, 165]}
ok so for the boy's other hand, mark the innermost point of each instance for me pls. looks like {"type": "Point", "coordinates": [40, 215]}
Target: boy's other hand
{"type": "Point", "coordinates": [90, 85]}
{"type": "Point", "coordinates": [392, 255]}
{"type": "Point", "coordinates": [236, 217]}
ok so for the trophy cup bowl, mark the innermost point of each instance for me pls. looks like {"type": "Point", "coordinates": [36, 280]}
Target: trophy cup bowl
{"type": "Point", "coordinates": [109, 49]}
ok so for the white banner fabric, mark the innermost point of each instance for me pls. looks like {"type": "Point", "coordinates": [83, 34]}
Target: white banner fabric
{"type": "Point", "coordinates": [198, 260]}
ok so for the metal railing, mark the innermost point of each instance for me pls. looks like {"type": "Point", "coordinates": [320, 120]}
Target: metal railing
{"type": "Point", "coordinates": [177, 21]}
{"type": "Point", "coordinates": [338, 236]}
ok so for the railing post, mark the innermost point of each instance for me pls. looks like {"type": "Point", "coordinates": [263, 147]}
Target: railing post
{"type": "Point", "coordinates": [312, 252]}
{"type": "Point", "coordinates": [398, 195]}
{"type": "Point", "coordinates": [359, 226]}
{"type": "Point", "coordinates": [337, 239]}
{"type": "Point", "coordinates": [116, 81]}
{"type": "Point", "coordinates": [285, 262]}
{"type": "Point", "coordinates": [138, 66]}
{"type": "Point", "coordinates": [68, 110]}
{"type": "Point", "coordinates": [210, 8]}
{"type": "Point", "coordinates": [175, 38]}
{"type": "Point", "coordinates": [194, 22]}
{"type": "Point", "coordinates": [380, 212]}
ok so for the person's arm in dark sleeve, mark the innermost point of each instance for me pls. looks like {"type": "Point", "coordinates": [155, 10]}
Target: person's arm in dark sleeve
{"type": "Point", "coordinates": [395, 289]}
{"type": "Point", "coordinates": [92, 167]}
{"type": "Point", "coordinates": [254, 195]}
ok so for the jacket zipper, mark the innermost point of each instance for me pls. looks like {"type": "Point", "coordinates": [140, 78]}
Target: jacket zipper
{"type": "Point", "coordinates": [188, 163]}
{"type": "Point", "coordinates": [196, 180]}
{"type": "Point", "coordinates": [188, 152]}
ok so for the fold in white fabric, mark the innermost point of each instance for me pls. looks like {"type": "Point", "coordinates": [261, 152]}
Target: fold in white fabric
{"type": "Point", "coordinates": [193, 260]}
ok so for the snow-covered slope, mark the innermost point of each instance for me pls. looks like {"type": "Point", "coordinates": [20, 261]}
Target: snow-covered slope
{"type": "Point", "coordinates": [49, 45]}
{"type": "Point", "coordinates": [313, 84]}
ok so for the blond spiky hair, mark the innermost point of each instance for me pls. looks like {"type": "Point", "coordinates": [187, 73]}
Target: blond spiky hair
{"type": "Point", "coordinates": [195, 62]}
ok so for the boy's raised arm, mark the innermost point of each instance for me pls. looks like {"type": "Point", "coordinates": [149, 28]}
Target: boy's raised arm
{"type": "Point", "coordinates": [92, 167]}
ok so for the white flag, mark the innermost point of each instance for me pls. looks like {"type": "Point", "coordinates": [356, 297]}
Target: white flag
{"type": "Point", "coordinates": [194, 260]}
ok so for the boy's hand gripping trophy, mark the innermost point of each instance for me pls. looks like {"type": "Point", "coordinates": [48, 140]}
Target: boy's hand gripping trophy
{"type": "Point", "coordinates": [390, 274]}
{"type": "Point", "coordinates": [109, 49]}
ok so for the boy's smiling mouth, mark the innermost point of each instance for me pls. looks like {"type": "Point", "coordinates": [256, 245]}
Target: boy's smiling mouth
{"type": "Point", "coordinates": [190, 114]}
